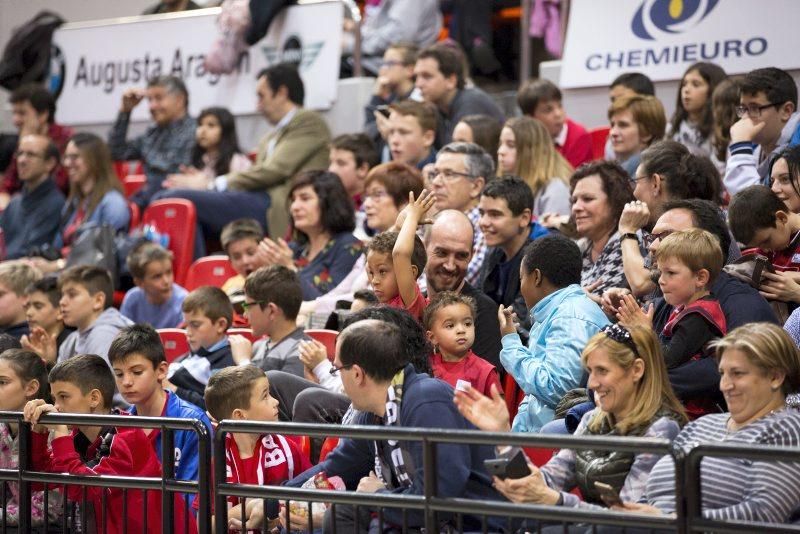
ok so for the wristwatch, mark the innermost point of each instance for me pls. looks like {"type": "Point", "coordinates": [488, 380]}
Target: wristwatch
{"type": "Point", "coordinates": [629, 235]}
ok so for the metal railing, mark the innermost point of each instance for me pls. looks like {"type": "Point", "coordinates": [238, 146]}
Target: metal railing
{"type": "Point", "coordinates": [166, 484]}
{"type": "Point", "coordinates": [429, 503]}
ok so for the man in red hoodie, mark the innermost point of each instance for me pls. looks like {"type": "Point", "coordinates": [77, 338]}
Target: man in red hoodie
{"type": "Point", "coordinates": [85, 385]}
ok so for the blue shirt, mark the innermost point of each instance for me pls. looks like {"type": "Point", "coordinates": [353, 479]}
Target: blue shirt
{"type": "Point", "coordinates": [186, 442]}
{"type": "Point", "coordinates": [562, 324]}
{"type": "Point", "coordinates": [138, 309]}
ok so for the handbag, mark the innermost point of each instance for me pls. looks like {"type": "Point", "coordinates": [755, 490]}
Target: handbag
{"type": "Point", "coordinates": [94, 245]}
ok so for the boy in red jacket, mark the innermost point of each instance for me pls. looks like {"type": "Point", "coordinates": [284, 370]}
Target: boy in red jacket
{"type": "Point", "coordinates": [242, 393]}
{"type": "Point", "coordinates": [84, 384]}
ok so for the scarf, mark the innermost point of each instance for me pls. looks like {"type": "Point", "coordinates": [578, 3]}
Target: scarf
{"type": "Point", "coordinates": [400, 458]}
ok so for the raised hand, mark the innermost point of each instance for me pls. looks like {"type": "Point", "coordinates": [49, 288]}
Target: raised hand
{"type": "Point", "coordinates": [42, 343]}
{"type": "Point", "coordinates": [131, 98]}
{"type": "Point", "coordinates": [486, 413]}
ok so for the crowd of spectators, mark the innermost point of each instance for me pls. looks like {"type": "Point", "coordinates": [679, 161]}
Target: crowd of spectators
{"type": "Point", "coordinates": [637, 292]}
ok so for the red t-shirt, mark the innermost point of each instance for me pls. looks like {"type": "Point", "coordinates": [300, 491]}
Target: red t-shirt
{"type": "Point", "coordinates": [472, 368]}
{"type": "Point", "coordinates": [417, 307]}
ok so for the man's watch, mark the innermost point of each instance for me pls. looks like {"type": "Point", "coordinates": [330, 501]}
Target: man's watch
{"type": "Point", "coordinates": [629, 235]}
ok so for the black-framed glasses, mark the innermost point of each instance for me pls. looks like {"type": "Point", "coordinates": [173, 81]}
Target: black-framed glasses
{"type": "Point", "coordinates": [246, 305]}
{"type": "Point", "coordinates": [620, 334]}
{"type": "Point", "coordinates": [448, 175]}
{"type": "Point", "coordinates": [333, 370]}
{"type": "Point", "coordinates": [649, 239]}
{"type": "Point", "coordinates": [753, 110]}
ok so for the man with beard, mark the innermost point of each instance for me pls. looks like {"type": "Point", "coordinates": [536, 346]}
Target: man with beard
{"type": "Point", "coordinates": [740, 303]}
{"type": "Point", "coordinates": [449, 249]}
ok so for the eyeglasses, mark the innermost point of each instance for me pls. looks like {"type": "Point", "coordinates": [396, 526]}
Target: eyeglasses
{"type": "Point", "coordinates": [376, 195]}
{"type": "Point", "coordinates": [333, 370]}
{"type": "Point", "coordinates": [246, 305]}
{"type": "Point", "coordinates": [620, 334]}
{"type": "Point", "coordinates": [649, 239]}
{"type": "Point", "coordinates": [635, 179]}
{"type": "Point", "coordinates": [391, 63]}
{"type": "Point", "coordinates": [70, 157]}
{"type": "Point", "coordinates": [447, 175]}
{"type": "Point", "coordinates": [753, 111]}
{"type": "Point", "coordinates": [28, 154]}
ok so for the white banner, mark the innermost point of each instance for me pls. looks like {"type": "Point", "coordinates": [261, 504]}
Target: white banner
{"type": "Point", "coordinates": [92, 64]}
{"type": "Point", "coordinates": [661, 38]}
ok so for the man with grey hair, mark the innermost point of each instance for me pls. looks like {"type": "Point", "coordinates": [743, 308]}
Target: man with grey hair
{"type": "Point", "coordinates": [460, 173]}
{"type": "Point", "coordinates": [166, 145]}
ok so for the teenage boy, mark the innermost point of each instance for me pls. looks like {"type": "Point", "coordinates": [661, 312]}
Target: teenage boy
{"type": "Point", "coordinates": [351, 157]}
{"type": "Point", "coordinates": [156, 299]}
{"type": "Point", "coordinates": [140, 367]}
{"type": "Point", "coordinates": [208, 313]}
{"type": "Point", "coordinates": [242, 393]}
{"type": "Point", "coordinates": [272, 302]}
{"type": "Point", "coordinates": [396, 259]}
{"type": "Point", "coordinates": [395, 82]}
{"type": "Point", "coordinates": [505, 209]}
{"type": "Point", "coordinates": [759, 219]}
{"type": "Point", "coordinates": [239, 240]}
{"type": "Point", "coordinates": [42, 310]}
{"type": "Point", "coordinates": [411, 133]}
{"type": "Point", "coordinates": [439, 76]}
{"type": "Point", "coordinates": [86, 296]}
{"type": "Point", "coordinates": [85, 385]}
{"type": "Point", "coordinates": [564, 318]}
{"type": "Point", "coordinates": [386, 390]}
{"type": "Point", "coordinates": [542, 100]}
{"type": "Point", "coordinates": [15, 278]}
{"type": "Point", "coordinates": [768, 117]}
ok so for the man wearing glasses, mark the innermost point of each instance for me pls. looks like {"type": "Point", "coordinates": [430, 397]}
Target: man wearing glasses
{"type": "Point", "coordinates": [767, 120]}
{"type": "Point", "coordinates": [32, 217]}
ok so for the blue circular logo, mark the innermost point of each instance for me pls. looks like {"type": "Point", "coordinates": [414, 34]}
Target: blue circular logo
{"type": "Point", "coordinates": [655, 18]}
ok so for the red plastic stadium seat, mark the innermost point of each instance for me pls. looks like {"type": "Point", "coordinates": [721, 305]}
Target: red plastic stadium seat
{"type": "Point", "coordinates": [133, 183]}
{"type": "Point", "coordinates": [209, 271]}
{"type": "Point", "coordinates": [513, 395]}
{"type": "Point", "coordinates": [327, 446]}
{"type": "Point", "coordinates": [136, 216]}
{"type": "Point", "coordinates": [177, 218]}
{"type": "Point", "coordinates": [174, 341]}
{"type": "Point", "coordinates": [246, 332]}
{"type": "Point", "coordinates": [599, 137]}
{"type": "Point", "coordinates": [327, 338]}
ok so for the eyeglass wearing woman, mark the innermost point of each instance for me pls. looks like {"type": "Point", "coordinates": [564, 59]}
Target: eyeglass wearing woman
{"type": "Point", "coordinates": [633, 397]}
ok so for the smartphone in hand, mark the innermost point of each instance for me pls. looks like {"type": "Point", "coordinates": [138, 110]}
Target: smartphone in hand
{"type": "Point", "coordinates": [514, 467]}
{"type": "Point", "coordinates": [608, 495]}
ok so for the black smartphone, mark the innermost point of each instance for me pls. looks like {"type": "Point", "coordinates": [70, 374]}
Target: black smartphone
{"type": "Point", "coordinates": [514, 467]}
{"type": "Point", "coordinates": [608, 495]}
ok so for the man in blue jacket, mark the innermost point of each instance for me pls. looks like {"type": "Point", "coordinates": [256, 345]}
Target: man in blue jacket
{"type": "Point", "coordinates": [385, 389]}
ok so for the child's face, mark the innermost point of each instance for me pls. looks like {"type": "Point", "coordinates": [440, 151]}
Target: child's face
{"type": "Point", "coordinates": [678, 283]}
{"type": "Point", "coordinates": [773, 239]}
{"type": "Point", "coordinates": [208, 132]}
{"type": "Point", "coordinates": [68, 398]}
{"type": "Point", "coordinates": [343, 164]}
{"type": "Point", "coordinates": [78, 307]}
{"type": "Point", "coordinates": [380, 273]}
{"type": "Point", "coordinates": [13, 392]}
{"type": "Point", "coordinates": [39, 311]}
{"type": "Point", "coordinates": [201, 331]}
{"type": "Point", "coordinates": [694, 92]}
{"type": "Point", "coordinates": [137, 379]}
{"type": "Point", "coordinates": [12, 306]}
{"type": "Point", "coordinates": [551, 114]}
{"type": "Point", "coordinates": [263, 406]}
{"type": "Point", "coordinates": [407, 140]}
{"type": "Point", "coordinates": [453, 330]}
{"type": "Point", "coordinates": [507, 151]}
{"type": "Point", "coordinates": [157, 281]}
{"type": "Point", "coordinates": [773, 118]}
{"type": "Point", "coordinates": [244, 256]}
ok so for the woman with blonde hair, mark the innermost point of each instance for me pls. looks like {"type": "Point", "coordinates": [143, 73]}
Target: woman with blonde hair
{"type": "Point", "coordinates": [527, 150]}
{"type": "Point", "coordinates": [631, 390]}
{"type": "Point", "coordinates": [759, 367]}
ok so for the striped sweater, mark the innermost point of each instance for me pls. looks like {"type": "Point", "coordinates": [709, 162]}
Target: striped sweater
{"type": "Point", "coordinates": [736, 489]}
